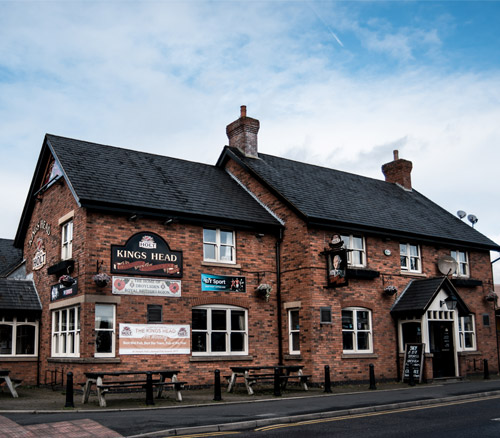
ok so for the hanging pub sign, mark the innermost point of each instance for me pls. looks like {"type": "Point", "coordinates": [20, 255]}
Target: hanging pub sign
{"type": "Point", "coordinates": [146, 253]}
{"type": "Point", "coordinates": [40, 255]}
{"type": "Point", "coordinates": [222, 283]}
{"type": "Point", "coordinates": [336, 261]}
{"type": "Point", "coordinates": [59, 290]}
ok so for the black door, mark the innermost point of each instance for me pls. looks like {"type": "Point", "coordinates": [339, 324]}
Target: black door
{"type": "Point", "coordinates": [441, 346]}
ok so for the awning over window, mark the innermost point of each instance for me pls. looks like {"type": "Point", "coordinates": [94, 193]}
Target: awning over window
{"type": "Point", "coordinates": [419, 295]}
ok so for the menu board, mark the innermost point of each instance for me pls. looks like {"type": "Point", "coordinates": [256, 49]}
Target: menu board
{"type": "Point", "coordinates": [414, 355]}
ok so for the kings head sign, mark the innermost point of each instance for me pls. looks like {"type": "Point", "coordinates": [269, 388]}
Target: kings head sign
{"type": "Point", "coordinates": [146, 253]}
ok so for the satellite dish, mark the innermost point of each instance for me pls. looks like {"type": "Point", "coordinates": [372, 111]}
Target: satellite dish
{"type": "Point", "coordinates": [447, 265]}
{"type": "Point", "coordinates": [461, 214]}
{"type": "Point", "coordinates": [472, 219]}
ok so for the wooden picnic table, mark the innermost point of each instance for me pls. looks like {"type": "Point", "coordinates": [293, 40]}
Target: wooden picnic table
{"type": "Point", "coordinates": [252, 374]}
{"type": "Point", "coordinates": [12, 384]}
{"type": "Point", "coordinates": [101, 380]}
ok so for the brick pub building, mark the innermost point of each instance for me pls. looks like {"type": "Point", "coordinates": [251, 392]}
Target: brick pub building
{"type": "Point", "coordinates": [137, 261]}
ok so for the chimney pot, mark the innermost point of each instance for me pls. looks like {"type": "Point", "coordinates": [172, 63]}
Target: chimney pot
{"type": "Point", "coordinates": [242, 133]}
{"type": "Point", "coordinates": [396, 155]}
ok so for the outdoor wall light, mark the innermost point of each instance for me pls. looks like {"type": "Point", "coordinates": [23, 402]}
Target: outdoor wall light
{"type": "Point", "coordinates": [451, 302]}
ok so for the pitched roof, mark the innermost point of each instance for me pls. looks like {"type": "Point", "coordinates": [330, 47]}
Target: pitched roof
{"type": "Point", "coordinates": [419, 294]}
{"type": "Point", "coordinates": [108, 177]}
{"type": "Point", "coordinates": [18, 295]}
{"type": "Point", "coordinates": [329, 197]}
{"type": "Point", "coordinates": [10, 257]}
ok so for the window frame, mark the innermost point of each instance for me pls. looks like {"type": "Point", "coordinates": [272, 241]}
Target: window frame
{"type": "Point", "coordinates": [465, 264]}
{"type": "Point", "coordinates": [112, 353]}
{"type": "Point", "coordinates": [408, 257]}
{"type": "Point", "coordinates": [350, 249]}
{"type": "Point", "coordinates": [150, 313]}
{"type": "Point", "coordinates": [59, 337]}
{"type": "Point", "coordinates": [293, 333]}
{"type": "Point", "coordinates": [67, 240]}
{"type": "Point", "coordinates": [15, 323]}
{"type": "Point", "coordinates": [355, 330]}
{"type": "Point", "coordinates": [217, 246]}
{"type": "Point", "coordinates": [462, 333]}
{"type": "Point", "coordinates": [228, 331]}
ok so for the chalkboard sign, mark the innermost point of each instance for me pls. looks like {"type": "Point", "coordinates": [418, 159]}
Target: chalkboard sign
{"type": "Point", "coordinates": [414, 355]}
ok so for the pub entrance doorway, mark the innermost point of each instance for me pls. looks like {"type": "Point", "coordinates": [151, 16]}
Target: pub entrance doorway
{"type": "Point", "coordinates": [442, 348]}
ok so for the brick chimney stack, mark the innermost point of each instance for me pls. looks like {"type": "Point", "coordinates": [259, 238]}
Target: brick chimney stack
{"type": "Point", "coordinates": [242, 133]}
{"type": "Point", "coordinates": [398, 171]}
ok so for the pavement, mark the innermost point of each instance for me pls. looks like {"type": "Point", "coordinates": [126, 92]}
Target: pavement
{"type": "Point", "coordinates": [42, 412]}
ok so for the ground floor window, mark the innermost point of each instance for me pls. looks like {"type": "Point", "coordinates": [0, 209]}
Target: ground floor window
{"type": "Point", "coordinates": [219, 330]}
{"type": "Point", "coordinates": [356, 330]}
{"type": "Point", "coordinates": [18, 336]}
{"type": "Point", "coordinates": [66, 332]}
{"type": "Point", "coordinates": [466, 332]}
{"type": "Point", "coordinates": [294, 331]}
{"type": "Point", "coordinates": [104, 330]}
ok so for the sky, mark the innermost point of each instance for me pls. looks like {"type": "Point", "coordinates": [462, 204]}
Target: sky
{"type": "Point", "coordinates": [338, 84]}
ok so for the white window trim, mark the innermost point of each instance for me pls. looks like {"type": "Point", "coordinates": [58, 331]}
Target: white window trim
{"type": "Point", "coordinates": [292, 331]}
{"type": "Point", "coordinates": [15, 323]}
{"type": "Point", "coordinates": [67, 242]}
{"type": "Point", "coordinates": [218, 244]}
{"type": "Point", "coordinates": [467, 266]}
{"type": "Point", "coordinates": [409, 257]}
{"type": "Point", "coordinates": [462, 331]}
{"type": "Point", "coordinates": [112, 330]}
{"type": "Point", "coordinates": [355, 330]}
{"type": "Point", "coordinates": [350, 249]}
{"type": "Point", "coordinates": [57, 335]}
{"type": "Point", "coordinates": [228, 309]}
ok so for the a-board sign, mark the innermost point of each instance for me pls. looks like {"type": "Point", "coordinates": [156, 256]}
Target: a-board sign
{"type": "Point", "coordinates": [414, 355]}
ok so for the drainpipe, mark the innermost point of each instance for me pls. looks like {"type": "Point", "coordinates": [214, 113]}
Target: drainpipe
{"type": "Point", "coordinates": [278, 296]}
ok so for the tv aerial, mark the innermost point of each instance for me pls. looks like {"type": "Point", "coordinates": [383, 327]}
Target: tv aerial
{"type": "Point", "coordinates": [447, 265]}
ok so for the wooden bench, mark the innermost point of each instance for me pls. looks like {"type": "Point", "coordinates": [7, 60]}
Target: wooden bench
{"type": "Point", "coordinates": [121, 386]}
{"type": "Point", "coordinates": [11, 384]}
{"type": "Point", "coordinates": [252, 379]}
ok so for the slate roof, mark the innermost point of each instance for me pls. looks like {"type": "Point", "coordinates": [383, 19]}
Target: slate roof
{"type": "Point", "coordinates": [18, 295]}
{"type": "Point", "coordinates": [333, 198]}
{"type": "Point", "coordinates": [419, 294]}
{"type": "Point", "coordinates": [10, 257]}
{"type": "Point", "coordinates": [108, 177]}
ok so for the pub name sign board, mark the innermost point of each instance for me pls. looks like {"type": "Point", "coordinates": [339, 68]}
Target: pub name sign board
{"type": "Point", "coordinates": [146, 253]}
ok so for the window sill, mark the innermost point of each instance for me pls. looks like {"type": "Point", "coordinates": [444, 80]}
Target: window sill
{"type": "Point", "coordinates": [84, 360]}
{"type": "Point", "coordinates": [219, 358]}
{"type": "Point", "coordinates": [222, 264]}
{"type": "Point", "coordinates": [413, 274]}
{"type": "Point", "coordinates": [13, 358]}
{"type": "Point", "coordinates": [359, 356]}
{"type": "Point", "coordinates": [292, 357]}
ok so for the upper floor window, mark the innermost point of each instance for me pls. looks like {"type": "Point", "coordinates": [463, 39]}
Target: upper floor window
{"type": "Point", "coordinates": [18, 336]}
{"type": "Point", "coordinates": [104, 330]}
{"type": "Point", "coordinates": [218, 245]}
{"type": "Point", "coordinates": [410, 257]}
{"type": "Point", "coordinates": [67, 241]}
{"type": "Point", "coordinates": [66, 332]}
{"type": "Point", "coordinates": [356, 254]}
{"type": "Point", "coordinates": [466, 332]}
{"type": "Point", "coordinates": [462, 263]}
{"type": "Point", "coordinates": [219, 330]}
{"type": "Point", "coordinates": [357, 330]}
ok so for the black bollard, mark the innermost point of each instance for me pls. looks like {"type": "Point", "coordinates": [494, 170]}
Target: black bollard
{"type": "Point", "coordinates": [328, 386]}
{"type": "Point", "coordinates": [486, 370]}
{"type": "Point", "coordinates": [411, 375]}
{"type": "Point", "coordinates": [372, 377]}
{"type": "Point", "coordinates": [277, 383]}
{"type": "Point", "coordinates": [69, 391]}
{"type": "Point", "coordinates": [149, 389]}
{"type": "Point", "coordinates": [217, 391]}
